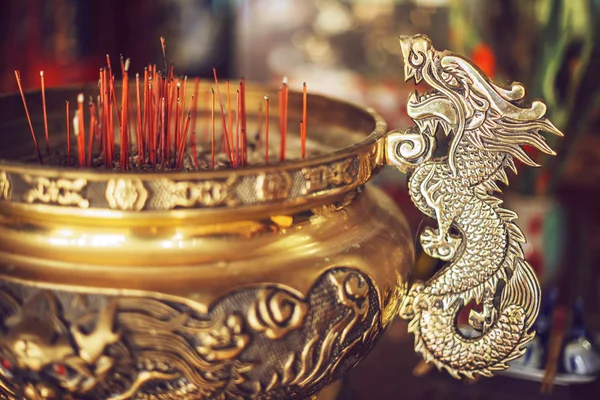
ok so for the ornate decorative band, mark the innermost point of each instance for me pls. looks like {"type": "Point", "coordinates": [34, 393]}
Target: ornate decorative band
{"type": "Point", "coordinates": [256, 343]}
{"type": "Point", "coordinates": [126, 192]}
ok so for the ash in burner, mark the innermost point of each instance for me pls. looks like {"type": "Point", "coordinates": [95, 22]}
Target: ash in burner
{"type": "Point", "coordinates": [154, 121]}
{"type": "Point", "coordinates": [255, 156]}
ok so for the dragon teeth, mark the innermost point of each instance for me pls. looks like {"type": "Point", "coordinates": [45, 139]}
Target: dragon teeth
{"type": "Point", "coordinates": [431, 124]}
{"type": "Point", "coordinates": [446, 127]}
{"type": "Point", "coordinates": [414, 97]}
{"type": "Point", "coordinates": [427, 124]}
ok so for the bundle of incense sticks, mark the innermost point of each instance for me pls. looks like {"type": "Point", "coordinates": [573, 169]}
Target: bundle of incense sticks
{"type": "Point", "coordinates": [163, 125]}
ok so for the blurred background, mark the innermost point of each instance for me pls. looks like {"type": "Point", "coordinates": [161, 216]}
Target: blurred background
{"type": "Point", "coordinates": [350, 49]}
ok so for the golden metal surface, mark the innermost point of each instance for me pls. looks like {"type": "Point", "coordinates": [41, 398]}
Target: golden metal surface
{"type": "Point", "coordinates": [477, 237]}
{"type": "Point", "coordinates": [266, 282]}
{"type": "Point", "coordinates": [260, 283]}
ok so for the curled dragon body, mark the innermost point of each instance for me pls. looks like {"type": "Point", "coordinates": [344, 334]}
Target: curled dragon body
{"type": "Point", "coordinates": [488, 126]}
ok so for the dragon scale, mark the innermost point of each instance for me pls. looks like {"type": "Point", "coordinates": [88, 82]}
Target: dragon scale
{"type": "Point", "coordinates": [490, 248]}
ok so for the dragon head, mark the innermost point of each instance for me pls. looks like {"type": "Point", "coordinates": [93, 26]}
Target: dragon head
{"type": "Point", "coordinates": [463, 101]}
{"type": "Point", "coordinates": [38, 359]}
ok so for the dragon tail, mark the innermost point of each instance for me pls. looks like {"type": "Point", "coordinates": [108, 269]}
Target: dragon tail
{"type": "Point", "coordinates": [522, 289]}
{"type": "Point", "coordinates": [441, 342]}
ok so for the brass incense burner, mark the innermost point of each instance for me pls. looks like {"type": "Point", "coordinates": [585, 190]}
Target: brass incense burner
{"type": "Point", "coordinates": [268, 281]}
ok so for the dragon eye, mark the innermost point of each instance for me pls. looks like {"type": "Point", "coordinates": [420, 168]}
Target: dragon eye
{"type": "Point", "coordinates": [60, 372]}
{"type": "Point", "coordinates": [6, 364]}
{"type": "Point", "coordinates": [6, 367]}
{"type": "Point", "coordinates": [59, 369]}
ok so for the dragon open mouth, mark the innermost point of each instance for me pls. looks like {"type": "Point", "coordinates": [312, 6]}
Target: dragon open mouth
{"type": "Point", "coordinates": [432, 109]}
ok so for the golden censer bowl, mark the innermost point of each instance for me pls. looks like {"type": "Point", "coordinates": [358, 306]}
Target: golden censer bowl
{"type": "Point", "coordinates": [261, 282]}
{"type": "Point", "coordinates": [272, 280]}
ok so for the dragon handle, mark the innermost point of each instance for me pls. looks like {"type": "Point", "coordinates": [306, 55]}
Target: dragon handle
{"type": "Point", "coordinates": [487, 126]}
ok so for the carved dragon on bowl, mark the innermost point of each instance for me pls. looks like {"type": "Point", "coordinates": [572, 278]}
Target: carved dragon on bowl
{"type": "Point", "coordinates": [62, 345]}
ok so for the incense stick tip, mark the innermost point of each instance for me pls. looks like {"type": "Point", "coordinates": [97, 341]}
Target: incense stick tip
{"type": "Point", "coordinates": [76, 124]}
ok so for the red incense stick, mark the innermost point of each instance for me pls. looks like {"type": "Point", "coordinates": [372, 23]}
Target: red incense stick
{"type": "Point", "coordinates": [303, 123]}
{"type": "Point", "coordinates": [37, 147]}
{"type": "Point", "coordinates": [45, 115]}
{"type": "Point", "coordinates": [266, 130]}
{"type": "Point", "coordinates": [68, 134]}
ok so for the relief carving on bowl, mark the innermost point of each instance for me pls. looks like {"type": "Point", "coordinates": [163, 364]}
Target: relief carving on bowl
{"type": "Point", "coordinates": [63, 192]}
{"type": "Point", "coordinates": [203, 193]}
{"type": "Point", "coordinates": [273, 186]}
{"type": "Point", "coordinates": [126, 194]}
{"type": "Point", "coordinates": [324, 176]}
{"type": "Point", "coordinates": [4, 186]}
{"type": "Point", "coordinates": [60, 345]}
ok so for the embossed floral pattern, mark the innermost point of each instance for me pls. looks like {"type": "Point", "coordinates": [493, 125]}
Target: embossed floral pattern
{"type": "Point", "coordinates": [273, 186]}
{"type": "Point", "coordinates": [126, 194]}
{"type": "Point", "coordinates": [276, 313]}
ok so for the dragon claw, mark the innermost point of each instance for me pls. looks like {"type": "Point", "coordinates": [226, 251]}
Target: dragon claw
{"type": "Point", "coordinates": [439, 246]}
{"type": "Point", "coordinates": [476, 320]}
{"type": "Point", "coordinates": [482, 321]}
